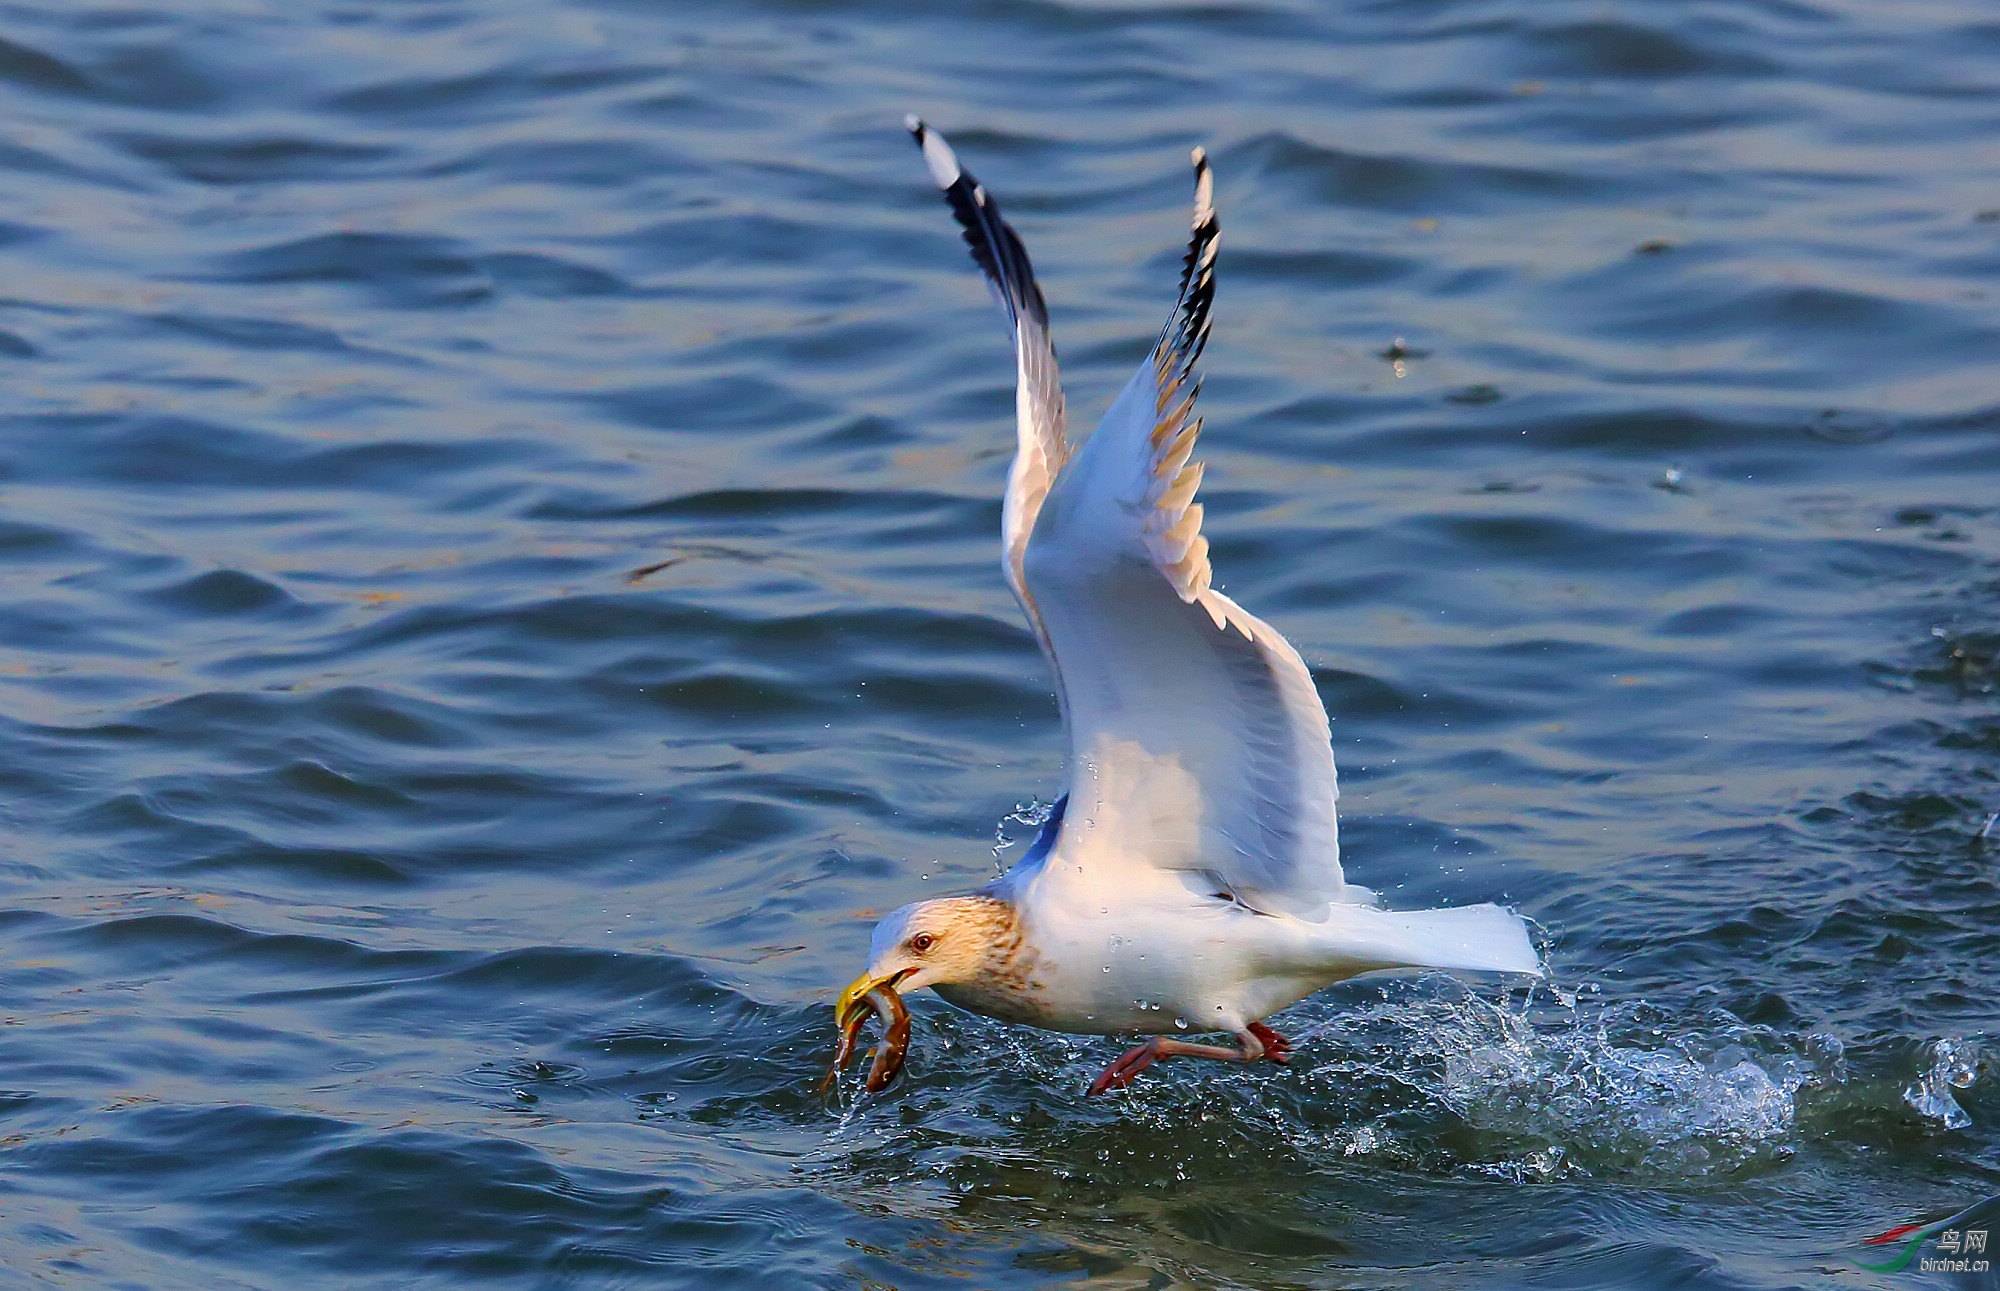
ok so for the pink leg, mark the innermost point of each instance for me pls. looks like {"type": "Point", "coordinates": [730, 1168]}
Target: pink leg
{"type": "Point", "coordinates": [1126, 1070]}
{"type": "Point", "coordinates": [1276, 1047]}
{"type": "Point", "coordinates": [1257, 1041]}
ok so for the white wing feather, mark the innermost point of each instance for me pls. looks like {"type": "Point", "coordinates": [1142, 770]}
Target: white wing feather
{"type": "Point", "coordinates": [1039, 450]}
{"type": "Point", "coordinates": [1197, 738]}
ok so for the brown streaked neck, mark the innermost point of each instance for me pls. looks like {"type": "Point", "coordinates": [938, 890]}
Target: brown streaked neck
{"type": "Point", "coordinates": [1006, 986]}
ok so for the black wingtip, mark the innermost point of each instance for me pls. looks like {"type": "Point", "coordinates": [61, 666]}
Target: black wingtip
{"type": "Point", "coordinates": [1186, 333]}
{"type": "Point", "coordinates": [995, 247]}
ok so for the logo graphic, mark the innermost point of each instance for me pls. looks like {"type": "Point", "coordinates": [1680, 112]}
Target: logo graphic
{"type": "Point", "coordinates": [1959, 1246]}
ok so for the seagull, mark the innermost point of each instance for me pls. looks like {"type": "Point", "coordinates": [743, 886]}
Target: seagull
{"type": "Point", "coordinates": [1188, 880]}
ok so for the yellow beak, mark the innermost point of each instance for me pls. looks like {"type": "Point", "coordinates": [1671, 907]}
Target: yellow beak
{"type": "Point", "coordinates": [850, 999]}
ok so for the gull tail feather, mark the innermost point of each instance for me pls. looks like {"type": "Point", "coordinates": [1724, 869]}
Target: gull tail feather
{"type": "Point", "coordinates": [1474, 938]}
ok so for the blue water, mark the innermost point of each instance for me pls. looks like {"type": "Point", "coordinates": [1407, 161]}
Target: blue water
{"type": "Point", "coordinates": [499, 587]}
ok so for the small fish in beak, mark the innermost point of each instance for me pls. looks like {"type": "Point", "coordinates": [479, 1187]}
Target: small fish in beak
{"type": "Point", "coordinates": [882, 1000]}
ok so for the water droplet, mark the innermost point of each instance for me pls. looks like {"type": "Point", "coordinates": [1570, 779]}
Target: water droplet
{"type": "Point", "coordinates": [1107, 968]}
{"type": "Point", "coordinates": [1182, 1023]}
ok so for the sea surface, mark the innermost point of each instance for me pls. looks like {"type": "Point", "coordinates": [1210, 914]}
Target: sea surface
{"type": "Point", "coordinates": [499, 589]}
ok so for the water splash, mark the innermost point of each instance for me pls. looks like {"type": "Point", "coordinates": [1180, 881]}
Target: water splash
{"type": "Point", "coordinates": [1571, 1087]}
{"type": "Point", "coordinates": [1954, 1065]}
{"type": "Point", "coordinates": [1030, 816]}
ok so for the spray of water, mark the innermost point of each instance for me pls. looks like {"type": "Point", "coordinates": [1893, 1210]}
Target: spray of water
{"type": "Point", "coordinates": [1017, 827]}
{"type": "Point", "coordinates": [1560, 1084]}
{"type": "Point", "coordinates": [1954, 1064]}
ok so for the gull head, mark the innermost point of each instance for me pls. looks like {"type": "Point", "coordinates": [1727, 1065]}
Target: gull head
{"type": "Point", "coordinates": [930, 943]}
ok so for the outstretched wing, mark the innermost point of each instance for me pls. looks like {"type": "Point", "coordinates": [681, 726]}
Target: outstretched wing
{"type": "Point", "coordinates": [1038, 399]}
{"type": "Point", "coordinates": [1197, 740]}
